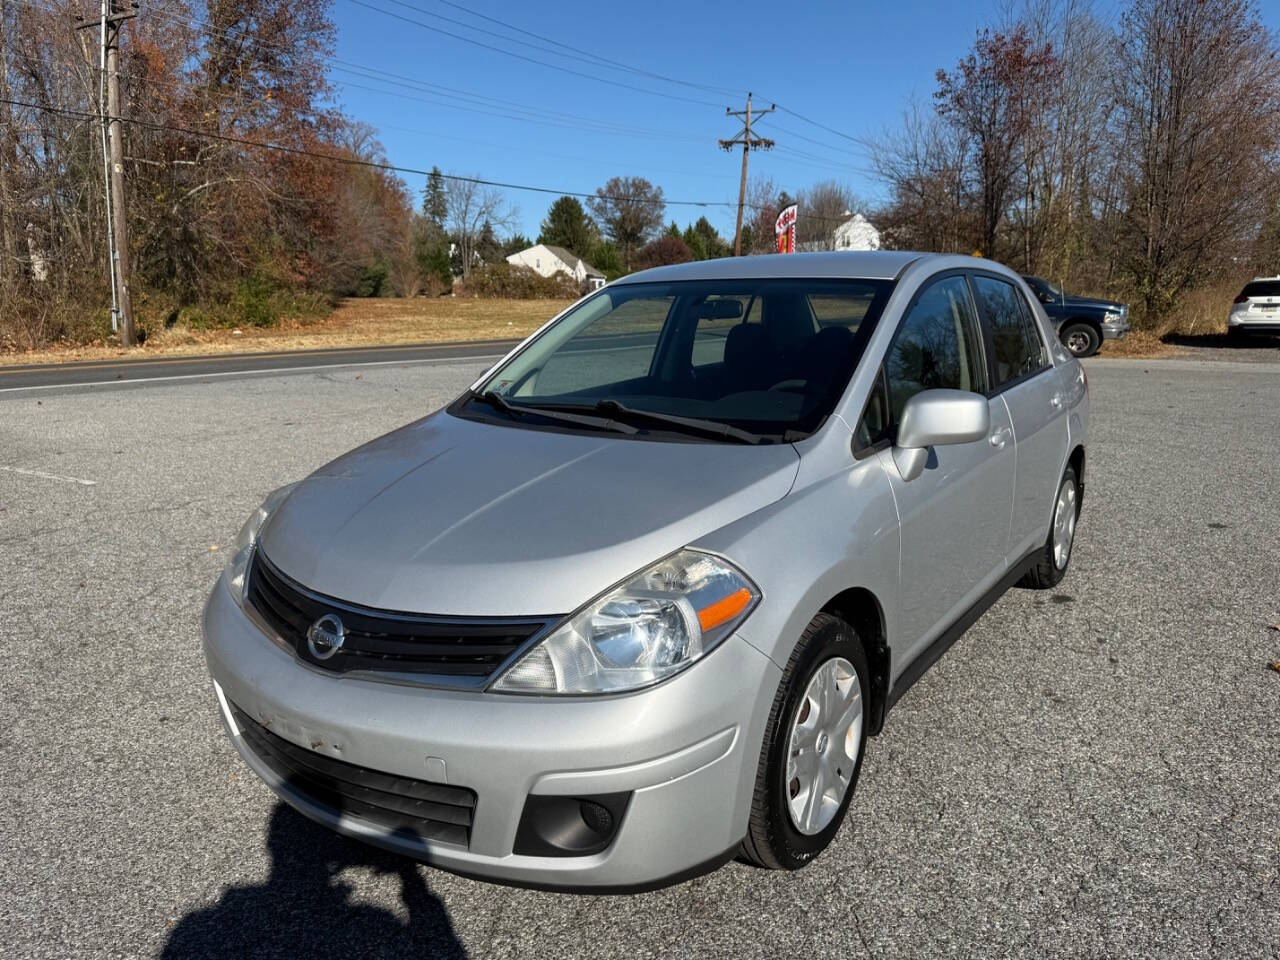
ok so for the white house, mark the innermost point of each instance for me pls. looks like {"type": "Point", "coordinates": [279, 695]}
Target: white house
{"type": "Point", "coordinates": [856, 233]}
{"type": "Point", "coordinates": [547, 260]}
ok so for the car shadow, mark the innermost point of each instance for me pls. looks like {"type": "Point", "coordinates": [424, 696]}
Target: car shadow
{"type": "Point", "coordinates": [306, 909]}
{"type": "Point", "coordinates": [1222, 341]}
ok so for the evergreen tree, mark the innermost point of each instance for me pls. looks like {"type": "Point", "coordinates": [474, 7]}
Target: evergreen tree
{"type": "Point", "coordinates": [712, 243]}
{"type": "Point", "coordinates": [515, 243]}
{"type": "Point", "coordinates": [488, 249]}
{"type": "Point", "coordinates": [693, 240]}
{"type": "Point", "coordinates": [434, 205]}
{"type": "Point", "coordinates": [567, 225]}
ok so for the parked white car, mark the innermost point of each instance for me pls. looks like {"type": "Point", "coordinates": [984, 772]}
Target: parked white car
{"type": "Point", "coordinates": [1257, 309]}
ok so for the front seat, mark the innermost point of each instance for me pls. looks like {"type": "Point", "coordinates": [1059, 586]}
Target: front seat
{"type": "Point", "coordinates": [750, 359]}
{"type": "Point", "coordinates": [822, 359]}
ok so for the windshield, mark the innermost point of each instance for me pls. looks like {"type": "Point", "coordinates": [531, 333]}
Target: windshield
{"type": "Point", "coordinates": [730, 359]}
{"type": "Point", "coordinates": [1041, 286]}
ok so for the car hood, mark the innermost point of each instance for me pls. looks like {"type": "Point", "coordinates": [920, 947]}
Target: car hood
{"type": "Point", "coordinates": [453, 516]}
{"type": "Point", "coordinates": [1091, 303]}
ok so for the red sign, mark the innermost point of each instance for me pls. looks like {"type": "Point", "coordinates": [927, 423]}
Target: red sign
{"type": "Point", "coordinates": [784, 230]}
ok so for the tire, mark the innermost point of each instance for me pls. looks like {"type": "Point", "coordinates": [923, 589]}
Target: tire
{"type": "Point", "coordinates": [1081, 339]}
{"type": "Point", "coordinates": [1050, 568]}
{"type": "Point", "coordinates": [774, 840]}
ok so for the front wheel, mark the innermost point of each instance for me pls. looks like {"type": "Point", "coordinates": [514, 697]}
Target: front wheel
{"type": "Point", "coordinates": [813, 748]}
{"type": "Point", "coordinates": [1055, 555]}
{"type": "Point", "coordinates": [1082, 339]}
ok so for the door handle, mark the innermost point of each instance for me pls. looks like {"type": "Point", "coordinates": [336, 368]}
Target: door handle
{"type": "Point", "coordinates": [1000, 437]}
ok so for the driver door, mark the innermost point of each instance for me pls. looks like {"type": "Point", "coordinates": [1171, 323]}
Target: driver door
{"type": "Point", "coordinates": [954, 517]}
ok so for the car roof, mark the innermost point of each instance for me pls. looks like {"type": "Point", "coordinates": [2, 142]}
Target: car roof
{"type": "Point", "coordinates": [844, 264]}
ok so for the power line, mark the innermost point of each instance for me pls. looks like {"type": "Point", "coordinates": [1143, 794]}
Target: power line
{"type": "Point", "coordinates": [379, 165]}
{"type": "Point", "coordinates": [519, 56]}
{"type": "Point", "coordinates": [821, 126]}
{"type": "Point", "coordinates": [604, 61]}
{"type": "Point", "coordinates": [353, 161]}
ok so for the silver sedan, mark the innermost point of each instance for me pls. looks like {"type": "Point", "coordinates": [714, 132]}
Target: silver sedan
{"type": "Point", "coordinates": [637, 601]}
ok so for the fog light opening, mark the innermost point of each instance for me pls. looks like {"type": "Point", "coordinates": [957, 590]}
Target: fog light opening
{"type": "Point", "coordinates": [569, 826]}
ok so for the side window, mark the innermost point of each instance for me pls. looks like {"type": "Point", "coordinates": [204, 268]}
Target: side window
{"type": "Point", "coordinates": [1035, 338]}
{"type": "Point", "coordinates": [936, 346]}
{"type": "Point", "coordinates": [1018, 349]}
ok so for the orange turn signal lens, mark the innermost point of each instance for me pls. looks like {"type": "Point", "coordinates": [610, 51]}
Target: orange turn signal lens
{"type": "Point", "coordinates": [722, 611]}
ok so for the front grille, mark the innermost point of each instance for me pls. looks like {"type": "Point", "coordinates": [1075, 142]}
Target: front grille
{"type": "Point", "coordinates": [429, 811]}
{"type": "Point", "coordinates": [460, 651]}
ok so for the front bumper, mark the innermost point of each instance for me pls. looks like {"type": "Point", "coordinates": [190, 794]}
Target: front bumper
{"type": "Point", "coordinates": [686, 750]}
{"type": "Point", "coordinates": [1115, 329]}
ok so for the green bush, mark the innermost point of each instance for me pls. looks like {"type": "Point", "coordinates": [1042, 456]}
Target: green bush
{"type": "Point", "coordinates": [372, 280]}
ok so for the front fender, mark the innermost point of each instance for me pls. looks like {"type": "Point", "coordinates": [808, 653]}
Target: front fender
{"type": "Point", "coordinates": [827, 536]}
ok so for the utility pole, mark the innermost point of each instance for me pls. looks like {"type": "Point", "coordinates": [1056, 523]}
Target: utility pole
{"type": "Point", "coordinates": [748, 143]}
{"type": "Point", "coordinates": [113, 15]}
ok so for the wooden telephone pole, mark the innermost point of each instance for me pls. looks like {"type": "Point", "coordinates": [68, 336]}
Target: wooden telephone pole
{"type": "Point", "coordinates": [748, 143]}
{"type": "Point", "coordinates": [113, 15]}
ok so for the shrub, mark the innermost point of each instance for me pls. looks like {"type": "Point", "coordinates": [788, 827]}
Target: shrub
{"type": "Point", "coordinates": [663, 251]}
{"type": "Point", "coordinates": [511, 282]}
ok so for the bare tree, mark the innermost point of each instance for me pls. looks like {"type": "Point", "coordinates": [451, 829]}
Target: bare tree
{"type": "Point", "coordinates": [823, 207]}
{"type": "Point", "coordinates": [1198, 97]}
{"type": "Point", "coordinates": [470, 206]}
{"type": "Point", "coordinates": [991, 96]}
{"type": "Point", "coordinates": [924, 163]}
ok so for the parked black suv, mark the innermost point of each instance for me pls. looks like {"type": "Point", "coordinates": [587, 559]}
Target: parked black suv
{"type": "Point", "coordinates": [1082, 322]}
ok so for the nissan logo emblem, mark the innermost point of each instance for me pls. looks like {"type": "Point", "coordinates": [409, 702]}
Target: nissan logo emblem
{"type": "Point", "coordinates": [325, 636]}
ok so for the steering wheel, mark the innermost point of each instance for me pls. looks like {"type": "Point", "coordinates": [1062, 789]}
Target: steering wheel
{"type": "Point", "coordinates": [790, 386]}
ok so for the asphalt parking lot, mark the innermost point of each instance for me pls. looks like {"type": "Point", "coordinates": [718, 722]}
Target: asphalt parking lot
{"type": "Point", "coordinates": [1090, 772]}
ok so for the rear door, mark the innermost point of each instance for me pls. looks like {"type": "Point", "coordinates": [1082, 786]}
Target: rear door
{"type": "Point", "coordinates": [1023, 378]}
{"type": "Point", "coordinates": [954, 517]}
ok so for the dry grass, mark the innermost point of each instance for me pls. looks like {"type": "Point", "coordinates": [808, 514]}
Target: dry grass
{"type": "Point", "coordinates": [1199, 314]}
{"type": "Point", "coordinates": [1138, 343]}
{"type": "Point", "coordinates": [356, 322]}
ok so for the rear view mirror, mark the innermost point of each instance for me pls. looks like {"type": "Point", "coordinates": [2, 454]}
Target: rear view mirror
{"type": "Point", "coordinates": [937, 418]}
{"type": "Point", "coordinates": [722, 309]}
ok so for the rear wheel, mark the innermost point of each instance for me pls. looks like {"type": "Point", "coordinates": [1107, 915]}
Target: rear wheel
{"type": "Point", "coordinates": [1082, 339]}
{"type": "Point", "coordinates": [1055, 555]}
{"type": "Point", "coordinates": [813, 748]}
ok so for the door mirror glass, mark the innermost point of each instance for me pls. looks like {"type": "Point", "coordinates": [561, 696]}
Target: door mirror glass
{"type": "Point", "coordinates": [938, 418]}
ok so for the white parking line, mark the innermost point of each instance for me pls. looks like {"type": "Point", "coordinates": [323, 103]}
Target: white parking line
{"type": "Point", "coordinates": [50, 476]}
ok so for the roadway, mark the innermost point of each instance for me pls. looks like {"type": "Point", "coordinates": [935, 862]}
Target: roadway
{"type": "Point", "coordinates": [1089, 772]}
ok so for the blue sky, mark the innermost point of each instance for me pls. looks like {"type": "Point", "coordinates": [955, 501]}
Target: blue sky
{"type": "Point", "coordinates": [850, 66]}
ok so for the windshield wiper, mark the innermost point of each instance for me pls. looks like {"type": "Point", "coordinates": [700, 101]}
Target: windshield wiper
{"type": "Point", "coordinates": [710, 428]}
{"type": "Point", "coordinates": [498, 401]}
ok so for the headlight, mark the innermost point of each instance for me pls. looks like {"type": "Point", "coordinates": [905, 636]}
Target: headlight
{"type": "Point", "coordinates": [237, 570]}
{"type": "Point", "coordinates": [1113, 316]}
{"type": "Point", "coordinates": [649, 628]}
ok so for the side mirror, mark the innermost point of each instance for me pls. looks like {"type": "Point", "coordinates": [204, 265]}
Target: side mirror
{"type": "Point", "coordinates": [936, 418]}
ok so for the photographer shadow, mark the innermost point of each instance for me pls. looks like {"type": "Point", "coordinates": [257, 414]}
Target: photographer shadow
{"type": "Point", "coordinates": [305, 909]}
